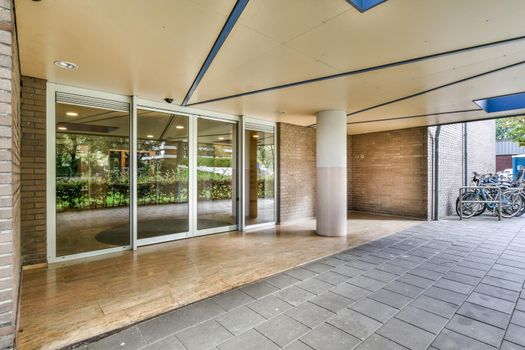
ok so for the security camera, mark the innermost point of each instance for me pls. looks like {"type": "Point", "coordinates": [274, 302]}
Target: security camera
{"type": "Point", "coordinates": [168, 100]}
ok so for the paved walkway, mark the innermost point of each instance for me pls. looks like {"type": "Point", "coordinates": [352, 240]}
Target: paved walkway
{"type": "Point", "coordinates": [439, 285]}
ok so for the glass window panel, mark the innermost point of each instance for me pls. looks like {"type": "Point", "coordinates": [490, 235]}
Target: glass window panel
{"type": "Point", "coordinates": [92, 179]}
{"type": "Point", "coordinates": [216, 174]}
{"type": "Point", "coordinates": [259, 172]}
{"type": "Point", "coordinates": [162, 173]}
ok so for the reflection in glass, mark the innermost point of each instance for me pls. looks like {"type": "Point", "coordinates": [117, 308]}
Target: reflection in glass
{"type": "Point", "coordinates": [216, 174]}
{"type": "Point", "coordinates": [260, 176]}
{"type": "Point", "coordinates": [162, 174]}
{"type": "Point", "coordinates": [92, 179]}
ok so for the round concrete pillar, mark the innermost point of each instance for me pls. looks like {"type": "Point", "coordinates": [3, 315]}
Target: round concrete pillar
{"type": "Point", "coordinates": [331, 173]}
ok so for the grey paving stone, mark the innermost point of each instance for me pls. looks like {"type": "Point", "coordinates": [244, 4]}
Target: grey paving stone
{"type": "Point", "coordinates": [309, 314]}
{"type": "Point", "coordinates": [249, 340]}
{"type": "Point", "coordinates": [282, 280]}
{"type": "Point", "coordinates": [506, 345]}
{"type": "Point", "coordinates": [422, 319]}
{"type": "Point", "coordinates": [317, 267]}
{"type": "Point", "coordinates": [201, 311]}
{"type": "Point", "coordinates": [516, 334]}
{"type": "Point", "coordinates": [350, 291]}
{"type": "Point", "coordinates": [232, 299]}
{"type": "Point", "coordinates": [460, 277]}
{"type": "Point", "coordinates": [518, 317]}
{"type": "Point", "coordinates": [506, 276]}
{"type": "Point", "coordinates": [314, 285]}
{"type": "Point", "coordinates": [377, 342]}
{"type": "Point", "coordinates": [345, 257]}
{"type": "Point", "coordinates": [128, 339]}
{"type": "Point", "coordinates": [497, 292]}
{"type": "Point", "coordinates": [294, 295]}
{"type": "Point", "coordinates": [405, 334]}
{"type": "Point", "coordinates": [379, 275]}
{"type": "Point", "coordinates": [435, 267]}
{"type": "Point", "coordinates": [469, 271]}
{"type": "Point", "coordinates": [435, 306]}
{"type": "Point", "coordinates": [169, 343]}
{"type": "Point", "coordinates": [332, 261]}
{"type": "Point", "coordinates": [347, 270]}
{"type": "Point", "coordinates": [259, 289]}
{"type": "Point", "coordinates": [269, 306]}
{"type": "Point", "coordinates": [354, 323]}
{"type": "Point", "coordinates": [332, 277]}
{"type": "Point", "coordinates": [459, 287]}
{"type": "Point", "coordinates": [327, 337]}
{"type": "Point", "coordinates": [331, 301]}
{"type": "Point", "coordinates": [390, 298]}
{"type": "Point", "coordinates": [396, 270]}
{"type": "Point", "coordinates": [297, 345]}
{"type": "Point", "coordinates": [404, 289]}
{"type": "Point", "coordinates": [417, 281]}
{"type": "Point", "coordinates": [432, 275]}
{"type": "Point", "coordinates": [373, 259]}
{"type": "Point", "coordinates": [363, 265]}
{"type": "Point", "coordinates": [449, 340]}
{"type": "Point", "coordinates": [367, 283]}
{"type": "Point", "coordinates": [203, 336]}
{"type": "Point", "coordinates": [446, 295]}
{"type": "Point", "coordinates": [374, 309]}
{"type": "Point", "coordinates": [483, 314]}
{"type": "Point", "coordinates": [282, 330]}
{"type": "Point", "coordinates": [240, 320]}
{"type": "Point", "coordinates": [491, 302]}
{"type": "Point", "coordinates": [162, 326]}
{"type": "Point", "coordinates": [477, 330]}
{"type": "Point", "coordinates": [301, 273]}
{"type": "Point", "coordinates": [520, 305]}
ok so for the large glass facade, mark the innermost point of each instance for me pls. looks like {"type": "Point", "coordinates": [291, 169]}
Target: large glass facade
{"type": "Point", "coordinates": [162, 174]}
{"type": "Point", "coordinates": [92, 179]}
{"type": "Point", "coordinates": [216, 174]}
{"type": "Point", "coordinates": [259, 170]}
{"type": "Point", "coordinates": [165, 175]}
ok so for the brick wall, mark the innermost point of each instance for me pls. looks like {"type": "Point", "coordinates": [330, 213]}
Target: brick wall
{"type": "Point", "coordinates": [389, 172]}
{"type": "Point", "coordinates": [481, 156]}
{"type": "Point", "coordinates": [9, 176]}
{"type": "Point", "coordinates": [297, 172]}
{"type": "Point", "coordinates": [33, 118]}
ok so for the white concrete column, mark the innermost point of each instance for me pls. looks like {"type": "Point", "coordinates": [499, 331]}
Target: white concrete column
{"type": "Point", "coordinates": [331, 173]}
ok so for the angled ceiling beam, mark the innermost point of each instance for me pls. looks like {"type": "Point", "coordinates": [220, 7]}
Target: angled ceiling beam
{"type": "Point", "coordinates": [364, 70]}
{"type": "Point", "coordinates": [223, 35]}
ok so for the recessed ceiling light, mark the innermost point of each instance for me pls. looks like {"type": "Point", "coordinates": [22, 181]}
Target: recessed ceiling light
{"type": "Point", "coordinates": [179, 127]}
{"type": "Point", "coordinates": [221, 138]}
{"type": "Point", "coordinates": [149, 136]}
{"type": "Point", "coordinates": [62, 128]}
{"type": "Point", "coordinates": [72, 114]}
{"type": "Point", "coordinates": [255, 136]}
{"type": "Point", "coordinates": [66, 65]}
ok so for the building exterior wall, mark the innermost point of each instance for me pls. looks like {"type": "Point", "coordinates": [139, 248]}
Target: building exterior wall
{"type": "Point", "coordinates": [480, 156]}
{"type": "Point", "coordinates": [33, 118]}
{"type": "Point", "coordinates": [389, 172]}
{"type": "Point", "coordinates": [297, 172]}
{"type": "Point", "coordinates": [503, 162]}
{"type": "Point", "coordinates": [9, 176]}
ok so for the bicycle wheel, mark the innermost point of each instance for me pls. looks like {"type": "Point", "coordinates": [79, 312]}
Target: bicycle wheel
{"type": "Point", "coordinates": [522, 211]}
{"type": "Point", "coordinates": [471, 209]}
{"type": "Point", "coordinates": [511, 204]}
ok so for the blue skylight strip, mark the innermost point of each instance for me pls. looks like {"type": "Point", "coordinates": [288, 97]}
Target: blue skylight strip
{"type": "Point", "coordinates": [502, 103]}
{"type": "Point", "coordinates": [223, 35]}
{"type": "Point", "coordinates": [364, 5]}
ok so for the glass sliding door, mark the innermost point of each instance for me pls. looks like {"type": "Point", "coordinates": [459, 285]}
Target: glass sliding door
{"type": "Point", "coordinates": [162, 175]}
{"type": "Point", "coordinates": [216, 175]}
{"type": "Point", "coordinates": [259, 177]}
{"type": "Point", "coordinates": [91, 179]}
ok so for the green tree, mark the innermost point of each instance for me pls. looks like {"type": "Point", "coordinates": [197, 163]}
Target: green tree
{"type": "Point", "coordinates": [511, 129]}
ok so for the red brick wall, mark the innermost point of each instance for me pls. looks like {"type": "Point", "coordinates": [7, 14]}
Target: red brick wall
{"type": "Point", "coordinates": [503, 162]}
{"type": "Point", "coordinates": [297, 172]}
{"type": "Point", "coordinates": [33, 170]}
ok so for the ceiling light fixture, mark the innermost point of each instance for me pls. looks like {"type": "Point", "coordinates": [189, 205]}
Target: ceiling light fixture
{"type": "Point", "coordinates": [62, 128]}
{"type": "Point", "coordinates": [66, 65]}
{"type": "Point", "coordinates": [221, 138]}
{"type": "Point", "coordinates": [72, 114]}
{"type": "Point", "coordinates": [179, 127]}
{"type": "Point", "coordinates": [255, 136]}
{"type": "Point", "coordinates": [149, 136]}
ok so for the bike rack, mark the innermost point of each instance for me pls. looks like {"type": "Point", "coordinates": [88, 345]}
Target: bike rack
{"type": "Point", "coordinates": [462, 191]}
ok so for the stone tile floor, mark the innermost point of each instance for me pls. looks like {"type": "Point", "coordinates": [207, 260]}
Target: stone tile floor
{"type": "Point", "coordinates": [439, 285]}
